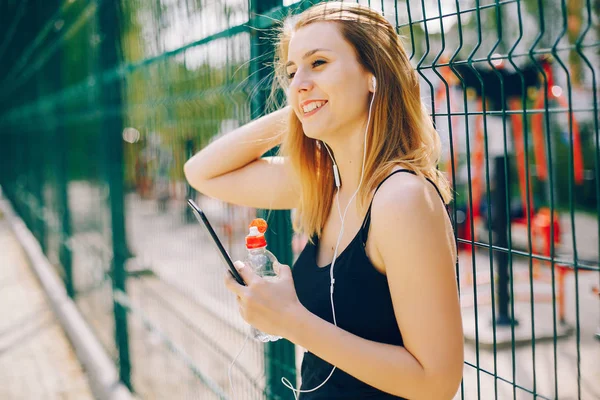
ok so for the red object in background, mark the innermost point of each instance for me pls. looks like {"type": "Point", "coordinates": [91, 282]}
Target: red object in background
{"type": "Point", "coordinates": [538, 134]}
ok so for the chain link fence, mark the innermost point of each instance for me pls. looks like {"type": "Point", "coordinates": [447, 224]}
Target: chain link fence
{"type": "Point", "coordinates": [101, 103]}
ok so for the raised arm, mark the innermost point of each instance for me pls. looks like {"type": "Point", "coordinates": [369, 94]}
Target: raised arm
{"type": "Point", "coordinates": [231, 168]}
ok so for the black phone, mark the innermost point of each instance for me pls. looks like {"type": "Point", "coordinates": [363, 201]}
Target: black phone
{"type": "Point", "coordinates": [202, 218]}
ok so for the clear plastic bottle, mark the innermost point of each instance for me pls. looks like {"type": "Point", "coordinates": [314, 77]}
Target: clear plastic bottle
{"type": "Point", "coordinates": [262, 262]}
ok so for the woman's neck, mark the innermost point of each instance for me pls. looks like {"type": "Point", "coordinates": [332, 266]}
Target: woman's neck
{"type": "Point", "coordinates": [349, 153]}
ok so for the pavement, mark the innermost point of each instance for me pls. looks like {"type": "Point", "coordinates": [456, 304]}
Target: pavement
{"type": "Point", "coordinates": [36, 358]}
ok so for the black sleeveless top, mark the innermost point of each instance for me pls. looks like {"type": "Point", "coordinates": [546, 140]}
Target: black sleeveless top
{"type": "Point", "coordinates": [363, 306]}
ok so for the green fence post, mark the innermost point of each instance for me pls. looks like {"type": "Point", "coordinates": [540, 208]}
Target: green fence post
{"type": "Point", "coordinates": [280, 360]}
{"type": "Point", "coordinates": [280, 356]}
{"type": "Point", "coordinates": [62, 199]}
{"type": "Point", "coordinates": [38, 147]}
{"type": "Point", "coordinates": [39, 190]}
{"type": "Point", "coordinates": [37, 158]}
{"type": "Point", "coordinates": [110, 48]}
{"type": "Point", "coordinates": [28, 184]}
{"type": "Point", "coordinates": [61, 174]}
{"type": "Point", "coordinates": [51, 153]}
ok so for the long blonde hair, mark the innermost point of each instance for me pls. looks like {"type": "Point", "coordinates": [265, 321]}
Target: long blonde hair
{"type": "Point", "coordinates": [402, 132]}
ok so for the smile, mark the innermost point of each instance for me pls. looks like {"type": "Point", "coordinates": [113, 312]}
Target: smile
{"type": "Point", "coordinates": [312, 108]}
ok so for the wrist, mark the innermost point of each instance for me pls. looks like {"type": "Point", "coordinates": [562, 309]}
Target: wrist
{"type": "Point", "coordinates": [296, 321]}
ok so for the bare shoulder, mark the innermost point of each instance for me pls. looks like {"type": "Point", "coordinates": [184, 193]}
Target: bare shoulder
{"type": "Point", "coordinates": [406, 195]}
{"type": "Point", "coordinates": [407, 211]}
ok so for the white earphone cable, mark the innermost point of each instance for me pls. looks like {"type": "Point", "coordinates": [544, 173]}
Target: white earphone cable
{"type": "Point", "coordinates": [285, 381]}
{"type": "Point", "coordinates": [233, 362]}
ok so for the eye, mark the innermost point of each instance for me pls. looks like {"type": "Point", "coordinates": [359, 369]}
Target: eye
{"type": "Point", "coordinates": [315, 64]}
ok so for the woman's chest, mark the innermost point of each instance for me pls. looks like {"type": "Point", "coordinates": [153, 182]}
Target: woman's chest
{"type": "Point", "coordinates": [361, 296]}
{"type": "Point", "coordinates": [334, 234]}
{"type": "Point", "coordinates": [335, 239]}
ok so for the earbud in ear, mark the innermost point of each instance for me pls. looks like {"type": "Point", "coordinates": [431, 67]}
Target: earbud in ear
{"type": "Point", "coordinates": [374, 83]}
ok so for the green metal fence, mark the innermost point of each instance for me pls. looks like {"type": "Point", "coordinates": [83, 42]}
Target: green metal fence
{"type": "Point", "coordinates": [101, 103]}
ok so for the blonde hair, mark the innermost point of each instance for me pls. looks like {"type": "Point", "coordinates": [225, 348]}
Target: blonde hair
{"type": "Point", "coordinates": [401, 132]}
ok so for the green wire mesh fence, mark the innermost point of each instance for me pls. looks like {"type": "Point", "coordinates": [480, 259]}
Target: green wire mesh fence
{"type": "Point", "coordinates": [101, 103]}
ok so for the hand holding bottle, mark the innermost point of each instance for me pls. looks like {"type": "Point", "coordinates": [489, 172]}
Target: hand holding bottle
{"type": "Point", "coordinates": [269, 300]}
{"type": "Point", "coordinates": [269, 306]}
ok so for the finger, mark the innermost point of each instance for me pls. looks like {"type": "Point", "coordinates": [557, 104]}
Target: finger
{"type": "Point", "coordinates": [232, 285]}
{"type": "Point", "coordinates": [246, 272]}
{"type": "Point", "coordinates": [284, 271]}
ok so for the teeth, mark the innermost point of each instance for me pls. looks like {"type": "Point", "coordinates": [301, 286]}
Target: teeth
{"type": "Point", "coordinates": [316, 104]}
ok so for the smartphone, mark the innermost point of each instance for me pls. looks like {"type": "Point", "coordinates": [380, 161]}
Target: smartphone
{"type": "Point", "coordinates": [202, 218]}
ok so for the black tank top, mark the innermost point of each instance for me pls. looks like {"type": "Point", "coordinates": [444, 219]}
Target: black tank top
{"type": "Point", "coordinates": [363, 306]}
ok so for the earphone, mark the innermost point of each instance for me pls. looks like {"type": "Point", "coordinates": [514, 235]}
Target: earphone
{"type": "Point", "coordinates": [336, 176]}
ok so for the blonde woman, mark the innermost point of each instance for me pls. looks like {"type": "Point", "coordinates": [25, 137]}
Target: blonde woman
{"type": "Point", "coordinates": [373, 296]}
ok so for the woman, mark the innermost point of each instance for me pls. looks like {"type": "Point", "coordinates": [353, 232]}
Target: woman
{"type": "Point", "coordinates": [373, 296]}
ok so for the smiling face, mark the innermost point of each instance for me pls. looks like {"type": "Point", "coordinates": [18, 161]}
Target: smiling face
{"type": "Point", "coordinates": [328, 87]}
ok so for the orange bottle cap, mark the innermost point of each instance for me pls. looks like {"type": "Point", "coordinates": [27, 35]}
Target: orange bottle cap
{"type": "Point", "coordinates": [260, 223]}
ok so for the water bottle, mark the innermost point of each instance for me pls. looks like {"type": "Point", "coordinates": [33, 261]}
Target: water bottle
{"type": "Point", "coordinates": [262, 262]}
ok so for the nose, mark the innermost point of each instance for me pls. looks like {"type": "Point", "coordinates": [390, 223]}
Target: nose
{"type": "Point", "coordinates": [301, 82]}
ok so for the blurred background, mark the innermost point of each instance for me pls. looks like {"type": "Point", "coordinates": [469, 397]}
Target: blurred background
{"type": "Point", "coordinates": [102, 102]}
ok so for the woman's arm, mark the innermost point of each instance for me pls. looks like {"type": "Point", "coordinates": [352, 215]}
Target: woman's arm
{"type": "Point", "coordinates": [412, 237]}
{"type": "Point", "coordinates": [389, 368]}
{"type": "Point", "coordinates": [231, 168]}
